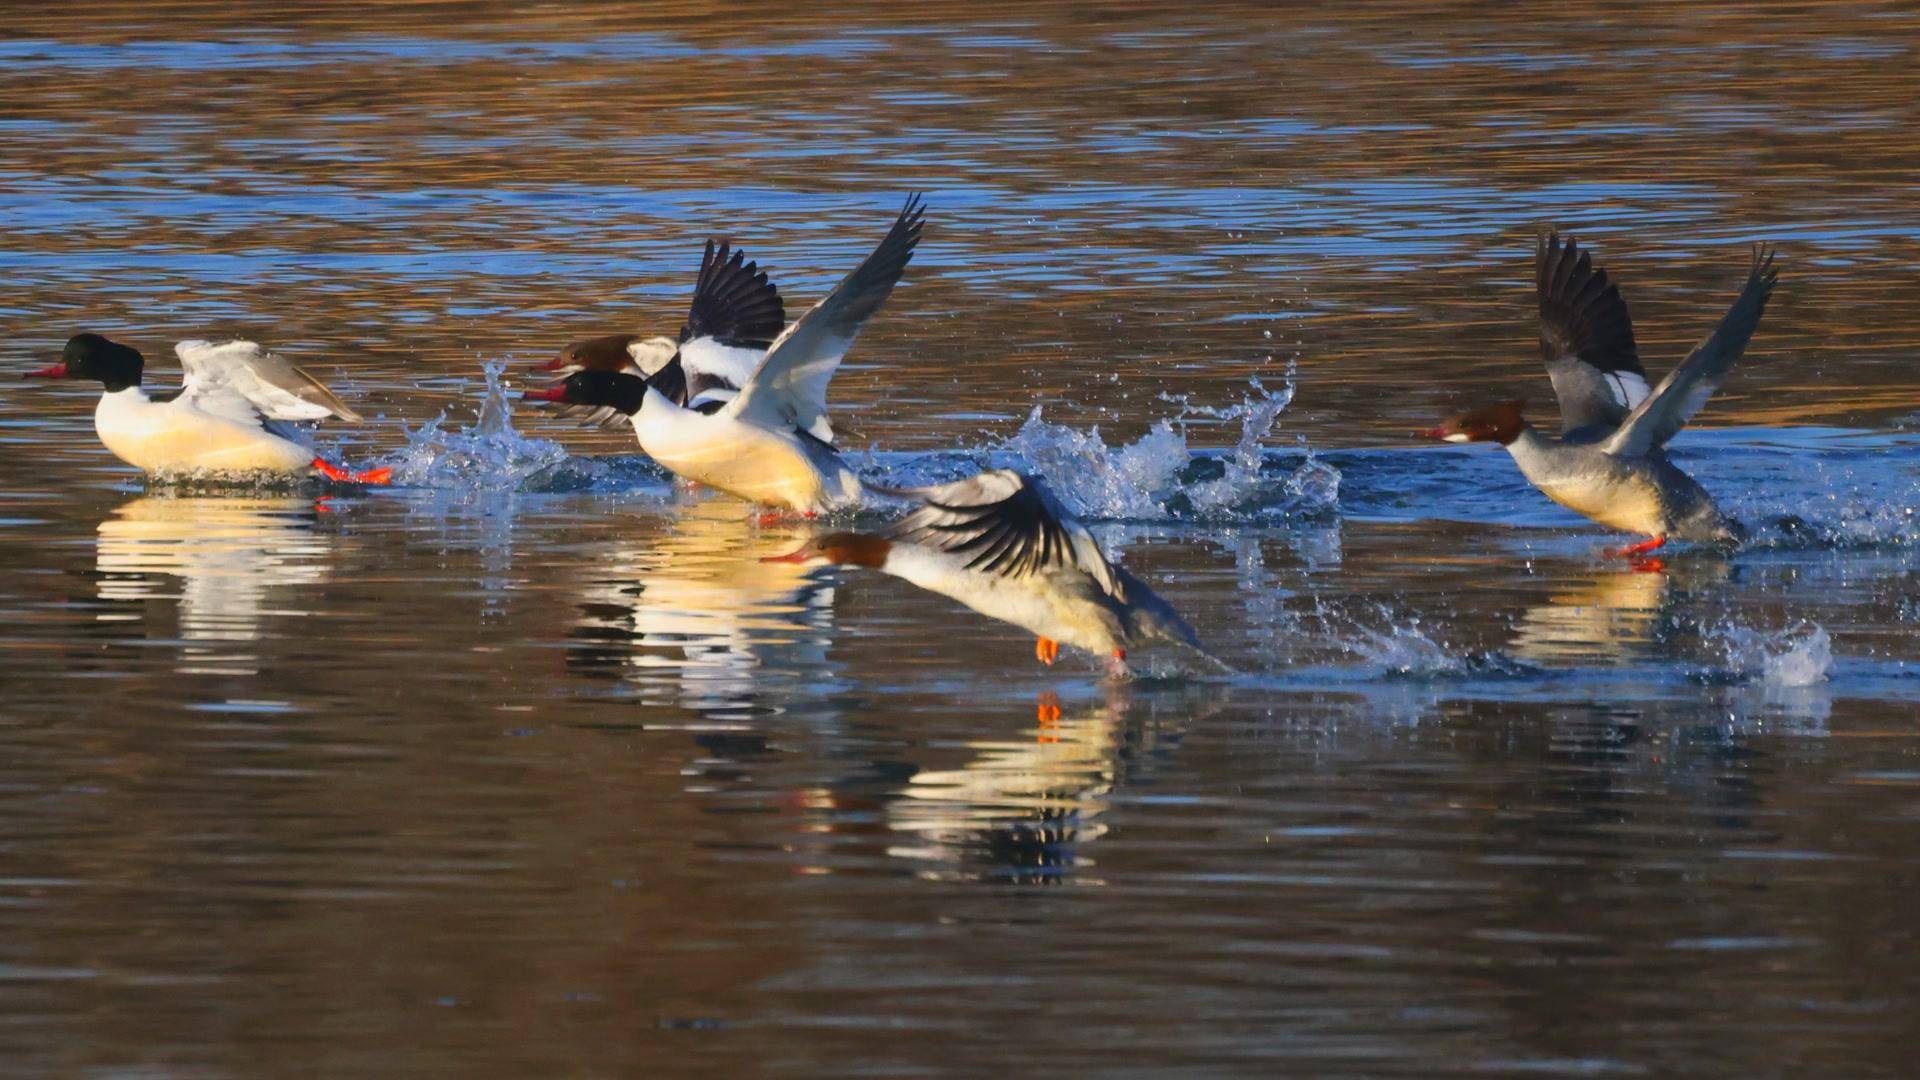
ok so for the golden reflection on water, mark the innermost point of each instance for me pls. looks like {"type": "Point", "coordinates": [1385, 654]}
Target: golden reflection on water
{"type": "Point", "coordinates": [694, 609]}
{"type": "Point", "coordinates": [1611, 615]}
{"type": "Point", "coordinates": [226, 556]}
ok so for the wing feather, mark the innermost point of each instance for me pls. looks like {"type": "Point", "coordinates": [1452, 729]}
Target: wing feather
{"type": "Point", "coordinates": [269, 384]}
{"type": "Point", "coordinates": [789, 388]}
{"type": "Point", "coordinates": [1687, 388]}
{"type": "Point", "coordinates": [1010, 525]}
{"type": "Point", "coordinates": [1586, 338]}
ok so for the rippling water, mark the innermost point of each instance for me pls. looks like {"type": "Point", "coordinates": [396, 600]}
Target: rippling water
{"type": "Point", "coordinates": [530, 765]}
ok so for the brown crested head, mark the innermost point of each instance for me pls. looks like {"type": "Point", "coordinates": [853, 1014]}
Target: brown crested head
{"type": "Point", "coordinates": [1499, 423]}
{"type": "Point", "coordinates": [840, 549]}
{"type": "Point", "coordinates": [607, 353]}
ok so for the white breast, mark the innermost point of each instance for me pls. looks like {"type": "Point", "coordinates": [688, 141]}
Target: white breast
{"type": "Point", "coordinates": [1035, 604]}
{"type": "Point", "coordinates": [175, 436]}
{"type": "Point", "coordinates": [740, 458]}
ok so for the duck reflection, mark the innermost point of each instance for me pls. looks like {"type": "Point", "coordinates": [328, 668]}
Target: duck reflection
{"type": "Point", "coordinates": [695, 611]}
{"type": "Point", "coordinates": [1613, 614]}
{"type": "Point", "coordinates": [1023, 808]}
{"type": "Point", "coordinates": [228, 555]}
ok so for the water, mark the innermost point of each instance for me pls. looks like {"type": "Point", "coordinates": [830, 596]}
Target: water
{"type": "Point", "coordinates": [529, 765]}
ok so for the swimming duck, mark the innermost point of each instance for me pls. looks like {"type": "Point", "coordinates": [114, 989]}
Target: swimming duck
{"type": "Point", "coordinates": [771, 443]}
{"type": "Point", "coordinates": [230, 415]}
{"type": "Point", "coordinates": [735, 314]}
{"type": "Point", "coordinates": [1001, 544]}
{"type": "Point", "coordinates": [1610, 461]}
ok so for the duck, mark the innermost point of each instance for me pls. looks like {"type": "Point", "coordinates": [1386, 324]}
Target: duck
{"type": "Point", "coordinates": [1609, 462]}
{"type": "Point", "coordinates": [1001, 544]}
{"type": "Point", "coordinates": [735, 314]}
{"type": "Point", "coordinates": [231, 415]}
{"type": "Point", "coordinates": [771, 442]}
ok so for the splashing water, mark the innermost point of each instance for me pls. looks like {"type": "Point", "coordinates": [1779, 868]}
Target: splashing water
{"type": "Point", "coordinates": [492, 456]}
{"type": "Point", "coordinates": [1799, 655]}
{"type": "Point", "coordinates": [1157, 477]}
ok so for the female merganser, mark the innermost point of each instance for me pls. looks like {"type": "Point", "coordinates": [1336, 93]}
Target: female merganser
{"type": "Point", "coordinates": [735, 314]}
{"type": "Point", "coordinates": [1610, 461]}
{"type": "Point", "coordinates": [229, 416]}
{"type": "Point", "coordinates": [1002, 545]}
{"type": "Point", "coordinates": [771, 443]}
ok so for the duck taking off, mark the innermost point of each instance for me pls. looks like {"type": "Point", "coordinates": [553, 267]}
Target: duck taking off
{"type": "Point", "coordinates": [735, 314]}
{"type": "Point", "coordinates": [232, 413]}
{"type": "Point", "coordinates": [771, 442]}
{"type": "Point", "coordinates": [1610, 461]}
{"type": "Point", "coordinates": [1001, 544]}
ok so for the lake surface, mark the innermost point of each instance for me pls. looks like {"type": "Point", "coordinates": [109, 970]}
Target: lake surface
{"type": "Point", "coordinates": [528, 765]}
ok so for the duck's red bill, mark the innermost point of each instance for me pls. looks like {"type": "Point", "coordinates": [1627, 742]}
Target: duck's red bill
{"type": "Point", "coordinates": [797, 555]}
{"type": "Point", "coordinates": [551, 393]}
{"type": "Point", "coordinates": [1432, 433]}
{"type": "Point", "coordinates": [51, 371]}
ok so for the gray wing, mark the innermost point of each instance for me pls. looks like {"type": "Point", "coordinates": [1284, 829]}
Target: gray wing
{"type": "Point", "coordinates": [1586, 339]}
{"type": "Point", "coordinates": [1687, 388]}
{"type": "Point", "coordinates": [277, 388]}
{"type": "Point", "coordinates": [1011, 525]}
{"type": "Point", "coordinates": [789, 388]}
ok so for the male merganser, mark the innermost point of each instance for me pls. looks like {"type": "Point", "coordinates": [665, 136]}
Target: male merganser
{"type": "Point", "coordinates": [229, 416]}
{"type": "Point", "coordinates": [770, 443]}
{"type": "Point", "coordinates": [1610, 461]}
{"type": "Point", "coordinates": [735, 314]}
{"type": "Point", "coordinates": [1001, 544]}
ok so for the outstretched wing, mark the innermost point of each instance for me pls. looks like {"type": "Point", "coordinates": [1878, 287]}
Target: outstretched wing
{"type": "Point", "coordinates": [1686, 390]}
{"type": "Point", "coordinates": [276, 388]}
{"type": "Point", "coordinates": [1010, 524]}
{"type": "Point", "coordinates": [1586, 339]}
{"type": "Point", "coordinates": [789, 389]}
{"type": "Point", "coordinates": [733, 302]}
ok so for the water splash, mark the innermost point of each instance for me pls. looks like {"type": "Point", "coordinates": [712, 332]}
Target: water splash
{"type": "Point", "coordinates": [1800, 655]}
{"type": "Point", "coordinates": [1158, 477]}
{"type": "Point", "coordinates": [492, 456]}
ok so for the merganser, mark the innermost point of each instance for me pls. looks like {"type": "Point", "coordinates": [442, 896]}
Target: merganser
{"type": "Point", "coordinates": [771, 442]}
{"type": "Point", "coordinates": [735, 314]}
{"type": "Point", "coordinates": [1001, 544]}
{"type": "Point", "coordinates": [1610, 461]}
{"type": "Point", "coordinates": [230, 415]}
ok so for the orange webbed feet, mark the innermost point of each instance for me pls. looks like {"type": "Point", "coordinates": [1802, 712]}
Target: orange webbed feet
{"type": "Point", "coordinates": [333, 472]}
{"type": "Point", "coordinates": [1046, 650]}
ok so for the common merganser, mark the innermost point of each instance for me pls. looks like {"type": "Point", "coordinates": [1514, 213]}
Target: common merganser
{"type": "Point", "coordinates": [770, 443]}
{"type": "Point", "coordinates": [735, 314]}
{"type": "Point", "coordinates": [1610, 461]}
{"type": "Point", "coordinates": [1001, 544]}
{"type": "Point", "coordinates": [230, 415]}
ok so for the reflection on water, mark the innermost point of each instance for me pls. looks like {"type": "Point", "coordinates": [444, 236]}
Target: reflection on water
{"type": "Point", "coordinates": [1022, 809]}
{"type": "Point", "coordinates": [225, 557]}
{"type": "Point", "coordinates": [1613, 615]}
{"type": "Point", "coordinates": [694, 616]}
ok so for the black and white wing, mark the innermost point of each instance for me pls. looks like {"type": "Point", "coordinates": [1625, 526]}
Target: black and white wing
{"type": "Point", "coordinates": [734, 315]}
{"type": "Point", "coordinates": [1686, 389]}
{"type": "Point", "coordinates": [1010, 525]}
{"type": "Point", "coordinates": [1586, 340]}
{"type": "Point", "coordinates": [789, 388]}
{"type": "Point", "coordinates": [238, 379]}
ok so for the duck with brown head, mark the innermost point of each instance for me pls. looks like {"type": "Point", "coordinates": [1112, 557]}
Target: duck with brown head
{"type": "Point", "coordinates": [1002, 545]}
{"type": "Point", "coordinates": [1609, 462]}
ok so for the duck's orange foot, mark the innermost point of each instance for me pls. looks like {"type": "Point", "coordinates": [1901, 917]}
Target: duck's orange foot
{"type": "Point", "coordinates": [1046, 711]}
{"type": "Point", "coordinates": [1640, 548]}
{"type": "Point", "coordinates": [1117, 665]}
{"type": "Point", "coordinates": [382, 475]}
{"type": "Point", "coordinates": [1046, 650]}
{"type": "Point", "coordinates": [783, 517]}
